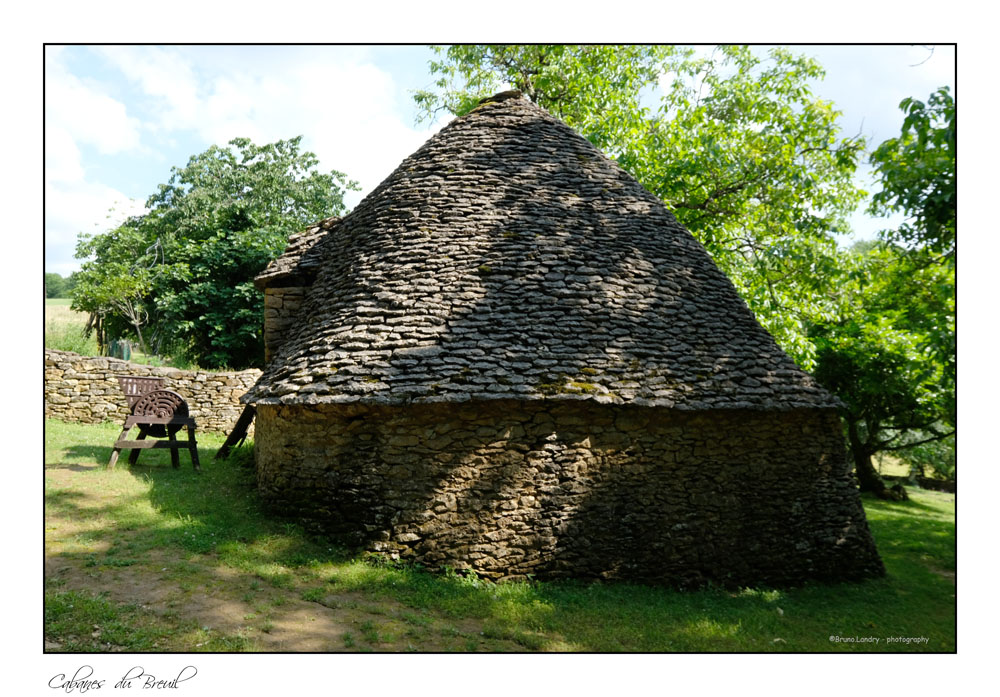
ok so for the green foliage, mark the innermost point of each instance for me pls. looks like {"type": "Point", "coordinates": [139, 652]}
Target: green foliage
{"type": "Point", "coordinates": [211, 302]}
{"type": "Point", "coordinates": [917, 171]}
{"type": "Point", "coordinates": [887, 348]}
{"type": "Point", "coordinates": [115, 281]}
{"type": "Point", "coordinates": [185, 269]}
{"type": "Point", "coordinates": [582, 85]}
{"type": "Point", "coordinates": [938, 456]}
{"type": "Point", "coordinates": [55, 286]}
{"type": "Point", "coordinates": [888, 363]}
{"type": "Point", "coordinates": [735, 144]}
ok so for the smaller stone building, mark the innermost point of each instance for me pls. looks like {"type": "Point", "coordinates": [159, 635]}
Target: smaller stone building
{"type": "Point", "coordinates": [511, 358]}
{"type": "Point", "coordinates": [284, 283]}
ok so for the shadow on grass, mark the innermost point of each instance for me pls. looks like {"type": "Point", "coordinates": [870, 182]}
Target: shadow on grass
{"type": "Point", "coordinates": [218, 514]}
{"type": "Point", "coordinates": [63, 497]}
{"type": "Point", "coordinates": [215, 511]}
{"type": "Point", "coordinates": [592, 616]}
{"type": "Point", "coordinates": [81, 458]}
{"type": "Point", "coordinates": [99, 456]}
{"type": "Point", "coordinates": [906, 541]}
{"type": "Point", "coordinates": [914, 530]}
{"type": "Point", "coordinates": [72, 468]}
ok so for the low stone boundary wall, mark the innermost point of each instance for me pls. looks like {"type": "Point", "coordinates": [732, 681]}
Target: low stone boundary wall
{"type": "Point", "coordinates": [85, 389]}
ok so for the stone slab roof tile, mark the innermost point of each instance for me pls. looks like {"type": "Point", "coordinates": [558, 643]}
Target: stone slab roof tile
{"type": "Point", "coordinates": [296, 266]}
{"type": "Point", "coordinates": [508, 257]}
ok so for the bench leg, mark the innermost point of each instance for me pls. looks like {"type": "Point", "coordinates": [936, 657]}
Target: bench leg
{"type": "Point", "coordinates": [175, 459]}
{"type": "Point", "coordinates": [133, 456]}
{"type": "Point", "coordinates": [116, 450]}
{"type": "Point", "coordinates": [193, 448]}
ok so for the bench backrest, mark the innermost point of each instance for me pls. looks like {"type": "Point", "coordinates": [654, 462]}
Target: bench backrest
{"type": "Point", "coordinates": [135, 387]}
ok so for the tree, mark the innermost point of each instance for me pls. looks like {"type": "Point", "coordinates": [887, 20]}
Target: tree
{"type": "Point", "coordinates": [936, 455]}
{"type": "Point", "coordinates": [917, 172]}
{"type": "Point", "coordinates": [108, 280]}
{"type": "Point", "coordinates": [894, 363]}
{"type": "Point", "coordinates": [735, 144]}
{"type": "Point", "coordinates": [880, 350]}
{"type": "Point", "coordinates": [121, 292]}
{"type": "Point", "coordinates": [55, 286]}
{"type": "Point", "coordinates": [210, 229]}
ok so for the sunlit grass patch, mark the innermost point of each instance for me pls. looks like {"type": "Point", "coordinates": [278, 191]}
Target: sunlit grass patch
{"type": "Point", "coordinates": [91, 622]}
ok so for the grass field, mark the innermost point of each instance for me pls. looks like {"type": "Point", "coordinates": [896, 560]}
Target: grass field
{"type": "Point", "coordinates": [64, 328]}
{"type": "Point", "coordinates": [64, 332]}
{"type": "Point", "coordinates": [156, 559]}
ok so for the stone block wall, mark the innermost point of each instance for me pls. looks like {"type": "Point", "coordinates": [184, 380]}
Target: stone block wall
{"type": "Point", "coordinates": [555, 489]}
{"type": "Point", "coordinates": [85, 389]}
{"type": "Point", "coordinates": [280, 307]}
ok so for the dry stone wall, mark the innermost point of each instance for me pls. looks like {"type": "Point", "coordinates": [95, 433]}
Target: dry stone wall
{"type": "Point", "coordinates": [510, 489]}
{"type": "Point", "coordinates": [280, 308]}
{"type": "Point", "coordinates": [85, 389]}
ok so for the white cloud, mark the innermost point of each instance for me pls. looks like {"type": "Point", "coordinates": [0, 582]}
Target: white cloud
{"type": "Point", "coordinates": [75, 207]}
{"type": "Point", "coordinates": [86, 113]}
{"type": "Point", "coordinates": [166, 77]}
{"type": "Point", "coordinates": [62, 156]}
{"type": "Point", "coordinates": [355, 127]}
{"type": "Point", "coordinates": [78, 112]}
{"type": "Point", "coordinates": [343, 105]}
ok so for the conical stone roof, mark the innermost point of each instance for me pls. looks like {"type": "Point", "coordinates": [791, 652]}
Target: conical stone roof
{"type": "Point", "coordinates": [508, 258]}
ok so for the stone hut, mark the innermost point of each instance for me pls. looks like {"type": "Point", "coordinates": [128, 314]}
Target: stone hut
{"type": "Point", "coordinates": [511, 358]}
{"type": "Point", "coordinates": [285, 281]}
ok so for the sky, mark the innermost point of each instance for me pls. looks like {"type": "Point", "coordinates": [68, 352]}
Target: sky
{"type": "Point", "coordinates": [118, 118]}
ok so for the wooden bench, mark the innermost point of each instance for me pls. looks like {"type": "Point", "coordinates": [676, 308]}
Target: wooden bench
{"type": "Point", "coordinates": [158, 413]}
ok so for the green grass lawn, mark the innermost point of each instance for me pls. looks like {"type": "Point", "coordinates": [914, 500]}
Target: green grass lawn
{"type": "Point", "coordinates": [114, 527]}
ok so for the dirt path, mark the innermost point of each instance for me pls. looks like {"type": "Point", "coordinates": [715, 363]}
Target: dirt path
{"type": "Point", "coordinates": [203, 592]}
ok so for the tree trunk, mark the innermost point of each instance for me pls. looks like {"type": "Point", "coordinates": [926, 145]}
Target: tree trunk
{"type": "Point", "coordinates": [142, 342]}
{"type": "Point", "coordinates": [98, 325]}
{"type": "Point", "coordinates": [868, 476]}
